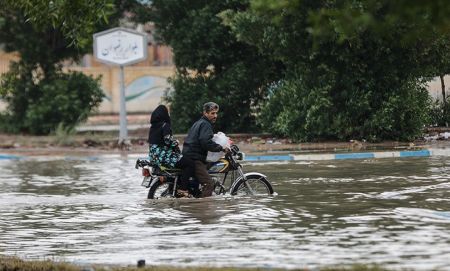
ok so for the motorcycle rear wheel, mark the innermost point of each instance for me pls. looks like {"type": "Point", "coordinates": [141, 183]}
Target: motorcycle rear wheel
{"type": "Point", "coordinates": [256, 186]}
{"type": "Point", "coordinates": [160, 190]}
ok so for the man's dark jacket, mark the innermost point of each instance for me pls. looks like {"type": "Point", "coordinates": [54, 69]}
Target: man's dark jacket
{"type": "Point", "coordinates": [199, 140]}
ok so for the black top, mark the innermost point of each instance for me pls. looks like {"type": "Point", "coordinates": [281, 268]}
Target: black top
{"type": "Point", "coordinates": [160, 125]}
{"type": "Point", "coordinates": [199, 140]}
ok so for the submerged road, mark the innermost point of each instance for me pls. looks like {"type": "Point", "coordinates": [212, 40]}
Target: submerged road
{"type": "Point", "coordinates": [393, 211]}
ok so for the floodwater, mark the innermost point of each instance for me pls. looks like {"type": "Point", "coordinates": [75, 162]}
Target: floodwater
{"type": "Point", "coordinates": [393, 212]}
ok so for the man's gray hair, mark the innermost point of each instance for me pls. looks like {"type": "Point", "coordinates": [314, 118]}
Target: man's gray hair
{"type": "Point", "coordinates": [210, 106]}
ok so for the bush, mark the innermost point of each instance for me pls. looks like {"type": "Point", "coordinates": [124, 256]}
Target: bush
{"type": "Point", "coordinates": [403, 114]}
{"type": "Point", "coordinates": [298, 111]}
{"type": "Point", "coordinates": [312, 109]}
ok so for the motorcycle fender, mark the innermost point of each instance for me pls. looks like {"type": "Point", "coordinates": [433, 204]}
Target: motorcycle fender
{"type": "Point", "coordinates": [154, 180]}
{"type": "Point", "coordinates": [247, 174]}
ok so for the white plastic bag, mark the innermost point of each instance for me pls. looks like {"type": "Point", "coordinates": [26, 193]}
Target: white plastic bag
{"type": "Point", "coordinates": [224, 141]}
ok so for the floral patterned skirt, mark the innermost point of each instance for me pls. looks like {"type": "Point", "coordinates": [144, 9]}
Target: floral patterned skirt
{"type": "Point", "coordinates": [163, 155]}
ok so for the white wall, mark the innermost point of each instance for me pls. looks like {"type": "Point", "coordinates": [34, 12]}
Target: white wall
{"type": "Point", "coordinates": [435, 89]}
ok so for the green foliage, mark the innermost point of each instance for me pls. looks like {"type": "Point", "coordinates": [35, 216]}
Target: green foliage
{"type": "Point", "coordinates": [63, 101]}
{"type": "Point", "coordinates": [347, 16]}
{"type": "Point", "coordinates": [366, 84]}
{"type": "Point", "coordinates": [187, 100]}
{"type": "Point", "coordinates": [45, 33]}
{"type": "Point", "coordinates": [333, 69]}
{"type": "Point", "coordinates": [309, 113]}
{"type": "Point", "coordinates": [76, 20]}
{"type": "Point", "coordinates": [212, 65]}
{"type": "Point", "coordinates": [299, 110]}
{"type": "Point", "coordinates": [328, 69]}
{"type": "Point", "coordinates": [402, 115]}
{"type": "Point", "coordinates": [233, 89]}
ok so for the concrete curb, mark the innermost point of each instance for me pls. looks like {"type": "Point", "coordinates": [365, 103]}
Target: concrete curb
{"type": "Point", "coordinates": [343, 156]}
{"type": "Point", "coordinates": [300, 157]}
{"type": "Point", "coordinates": [8, 157]}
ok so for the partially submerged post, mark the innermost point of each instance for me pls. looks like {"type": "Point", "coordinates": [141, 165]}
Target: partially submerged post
{"type": "Point", "coordinates": [141, 263]}
{"type": "Point", "coordinates": [121, 46]}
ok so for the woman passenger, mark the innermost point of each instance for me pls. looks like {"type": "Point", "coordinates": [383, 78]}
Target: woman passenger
{"type": "Point", "coordinates": [164, 149]}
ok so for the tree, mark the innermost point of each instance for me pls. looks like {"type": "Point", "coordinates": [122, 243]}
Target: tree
{"type": "Point", "coordinates": [439, 63]}
{"type": "Point", "coordinates": [346, 17]}
{"type": "Point", "coordinates": [211, 64]}
{"type": "Point", "coordinates": [343, 79]}
{"type": "Point", "coordinates": [44, 33]}
{"type": "Point", "coordinates": [428, 20]}
{"type": "Point", "coordinates": [75, 20]}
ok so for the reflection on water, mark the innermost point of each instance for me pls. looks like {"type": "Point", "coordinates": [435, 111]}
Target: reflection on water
{"type": "Point", "coordinates": [394, 212]}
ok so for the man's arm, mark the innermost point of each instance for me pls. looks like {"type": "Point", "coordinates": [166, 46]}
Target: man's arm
{"type": "Point", "coordinates": [205, 138]}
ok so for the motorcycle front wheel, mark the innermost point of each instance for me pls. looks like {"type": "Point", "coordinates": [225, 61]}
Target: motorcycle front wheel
{"type": "Point", "coordinates": [160, 190]}
{"type": "Point", "coordinates": [255, 185]}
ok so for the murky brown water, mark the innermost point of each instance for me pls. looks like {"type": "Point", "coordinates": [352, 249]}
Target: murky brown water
{"type": "Point", "coordinates": [394, 212]}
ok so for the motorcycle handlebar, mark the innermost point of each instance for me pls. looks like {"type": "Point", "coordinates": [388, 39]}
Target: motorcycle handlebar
{"type": "Point", "coordinates": [235, 152]}
{"type": "Point", "coordinates": [141, 163]}
{"type": "Point", "coordinates": [234, 149]}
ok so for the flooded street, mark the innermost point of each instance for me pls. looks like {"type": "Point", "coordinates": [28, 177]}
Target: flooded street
{"type": "Point", "coordinates": [394, 212]}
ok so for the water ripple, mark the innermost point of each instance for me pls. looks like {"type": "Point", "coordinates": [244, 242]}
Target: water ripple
{"type": "Point", "coordinates": [394, 212]}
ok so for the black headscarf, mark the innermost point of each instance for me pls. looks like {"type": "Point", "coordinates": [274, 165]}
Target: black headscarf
{"type": "Point", "coordinates": [160, 125]}
{"type": "Point", "coordinates": [160, 115]}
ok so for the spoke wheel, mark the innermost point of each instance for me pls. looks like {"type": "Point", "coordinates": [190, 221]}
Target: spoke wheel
{"type": "Point", "coordinates": [254, 186]}
{"type": "Point", "coordinates": [160, 190]}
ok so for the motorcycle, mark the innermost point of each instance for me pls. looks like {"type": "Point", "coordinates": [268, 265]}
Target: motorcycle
{"type": "Point", "coordinates": [162, 182]}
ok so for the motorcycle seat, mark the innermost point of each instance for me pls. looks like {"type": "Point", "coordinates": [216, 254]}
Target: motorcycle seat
{"type": "Point", "coordinates": [170, 170]}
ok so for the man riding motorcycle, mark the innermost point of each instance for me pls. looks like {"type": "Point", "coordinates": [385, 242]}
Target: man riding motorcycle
{"type": "Point", "coordinates": [199, 141]}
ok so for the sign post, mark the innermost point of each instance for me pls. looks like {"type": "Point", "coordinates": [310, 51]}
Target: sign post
{"type": "Point", "coordinates": [120, 46]}
{"type": "Point", "coordinates": [123, 134]}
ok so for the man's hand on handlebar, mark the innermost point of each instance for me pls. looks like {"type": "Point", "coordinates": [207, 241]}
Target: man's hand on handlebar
{"type": "Point", "coordinates": [226, 150]}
